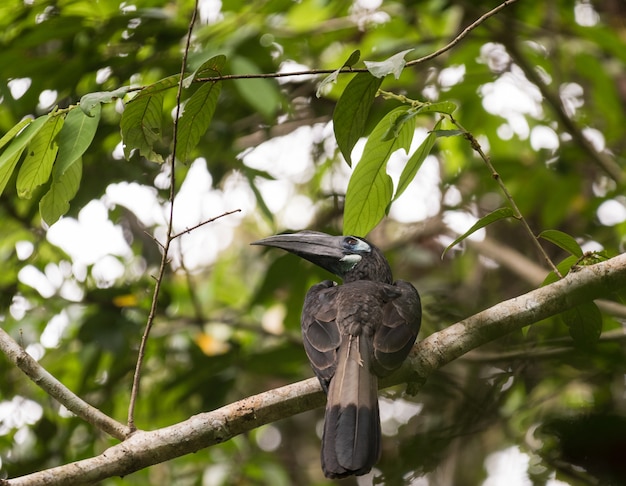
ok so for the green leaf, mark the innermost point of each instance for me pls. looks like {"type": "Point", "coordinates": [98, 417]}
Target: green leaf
{"type": "Point", "coordinates": [40, 155]}
{"type": "Point", "coordinates": [141, 125]}
{"type": "Point", "coordinates": [584, 322]}
{"type": "Point", "coordinates": [415, 162]}
{"type": "Point", "coordinates": [89, 101]}
{"type": "Point", "coordinates": [211, 68]}
{"type": "Point", "coordinates": [76, 136]}
{"type": "Point", "coordinates": [563, 267]}
{"type": "Point", "coordinates": [481, 223]}
{"type": "Point", "coordinates": [261, 94]}
{"type": "Point", "coordinates": [352, 59]}
{"type": "Point", "coordinates": [65, 183]}
{"type": "Point", "coordinates": [11, 156]}
{"type": "Point", "coordinates": [160, 86]}
{"type": "Point", "coordinates": [7, 137]}
{"type": "Point", "coordinates": [562, 240]}
{"type": "Point", "coordinates": [449, 133]}
{"type": "Point", "coordinates": [196, 117]}
{"type": "Point", "coordinates": [445, 107]}
{"type": "Point", "coordinates": [332, 77]}
{"type": "Point", "coordinates": [370, 187]}
{"type": "Point", "coordinates": [396, 126]}
{"type": "Point", "coordinates": [393, 65]}
{"type": "Point", "coordinates": [251, 175]}
{"type": "Point", "coordinates": [352, 110]}
{"type": "Point", "coordinates": [141, 121]}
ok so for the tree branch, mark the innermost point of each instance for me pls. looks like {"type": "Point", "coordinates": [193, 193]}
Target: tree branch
{"type": "Point", "coordinates": [170, 230]}
{"type": "Point", "coordinates": [348, 70]}
{"type": "Point", "coordinates": [53, 387]}
{"type": "Point", "coordinates": [143, 449]}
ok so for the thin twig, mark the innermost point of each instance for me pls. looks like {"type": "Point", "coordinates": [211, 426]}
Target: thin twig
{"type": "Point", "coordinates": [164, 259]}
{"type": "Point", "coordinates": [462, 35]}
{"type": "Point", "coordinates": [478, 149]}
{"type": "Point", "coordinates": [496, 176]}
{"type": "Point", "coordinates": [350, 70]}
{"type": "Point", "coordinates": [189, 230]}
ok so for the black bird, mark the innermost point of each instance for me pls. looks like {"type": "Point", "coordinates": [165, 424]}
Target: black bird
{"type": "Point", "coordinates": [353, 334]}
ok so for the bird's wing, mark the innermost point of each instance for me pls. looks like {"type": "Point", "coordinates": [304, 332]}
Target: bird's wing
{"type": "Point", "coordinates": [320, 332]}
{"type": "Point", "coordinates": [395, 336]}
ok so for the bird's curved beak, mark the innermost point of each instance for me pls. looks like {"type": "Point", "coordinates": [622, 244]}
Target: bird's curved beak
{"type": "Point", "coordinates": [319, 248]}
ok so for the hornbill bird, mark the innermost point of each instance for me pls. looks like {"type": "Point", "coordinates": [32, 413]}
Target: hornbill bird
{"type": "Point", "coordinates": [353, 333]}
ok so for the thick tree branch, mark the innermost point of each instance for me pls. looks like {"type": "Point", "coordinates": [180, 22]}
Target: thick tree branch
{"type": "Point", "coordinates": [143, 449]}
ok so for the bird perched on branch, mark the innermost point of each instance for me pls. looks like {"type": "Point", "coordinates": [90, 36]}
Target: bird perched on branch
{"type": "Point", "coordinates": [353, 333]}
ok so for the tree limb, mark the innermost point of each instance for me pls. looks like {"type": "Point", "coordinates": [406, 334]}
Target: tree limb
{"type": "Point", "coordinates": [143, 449]}
{"type": "Point", "coordinates": [53, 387]}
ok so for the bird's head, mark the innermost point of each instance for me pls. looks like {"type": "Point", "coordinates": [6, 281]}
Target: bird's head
{"type": "Point", "coordinates": [349, 257]}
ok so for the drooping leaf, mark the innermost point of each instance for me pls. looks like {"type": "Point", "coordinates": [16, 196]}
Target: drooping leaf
{"type": "Point", "coordinates": [585, 323]}
{"type": "Point", "coordinates": [415, 162]}
{"type": "Point", "coordinates": [562, 240]}
{"type": "Point", "coordinates": [76, 136]}
{"type": "Point", "coordinates": [196, 118]}
{"type": "Point", "coordinates": [326, 83]}
{"type": "Point", "coordinates": [261, 94]}
{"type": "Point", "coordinates": [141, 126]}
{"type": "Point", "coordinates": [89, 101]}
{"type": "Point", "coordinates": [251, 175]}
{"type": "Point", "coordinates": [141, 120]}
{"type": "Point", "coordinates": [393, 65]}
{"type": "Point", "coordinates": [492, 217]}
{"type": "Point", "coordinates": [7, 137]}
{"type": "Point", "coordinates": [40, 155]}
{"type": "Point", "coordinates": [332, 77]}
{"type": "Point", "coordinates": [12, 154]}
{"type": "Point", "coordinates": [370, 187]}
{"type": "Point", "coordinates": [65, 183]}
{"type": "Point", "coordinates": [352, 110]}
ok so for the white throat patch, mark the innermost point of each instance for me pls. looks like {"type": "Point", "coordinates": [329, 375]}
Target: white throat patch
{"type": "Point", "coordinates": [351, 260]}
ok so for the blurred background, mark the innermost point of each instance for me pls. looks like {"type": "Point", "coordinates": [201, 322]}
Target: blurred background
{"type": "Point", "coordinates": [541, 85]}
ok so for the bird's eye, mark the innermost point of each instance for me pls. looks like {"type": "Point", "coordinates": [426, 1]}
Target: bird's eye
{"type": "Point", "coordinates": [353, 244]}
{"type": "Point", "coordinates": [351, 241]}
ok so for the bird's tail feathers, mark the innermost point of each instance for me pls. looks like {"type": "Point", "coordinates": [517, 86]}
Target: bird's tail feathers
{"type": "Point", "coordinates": [351, 441]}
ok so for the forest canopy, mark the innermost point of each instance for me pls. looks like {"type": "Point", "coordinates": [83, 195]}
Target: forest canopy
{"type": "Point", "coordinates": [144, 145]}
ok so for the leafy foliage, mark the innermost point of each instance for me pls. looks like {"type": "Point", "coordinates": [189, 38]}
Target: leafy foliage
{"type": "Point", "coordinates": [227, 321]}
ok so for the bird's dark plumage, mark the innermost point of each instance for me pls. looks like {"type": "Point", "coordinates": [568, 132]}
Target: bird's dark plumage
{"type": "Point", "coordinates": [353, 333]}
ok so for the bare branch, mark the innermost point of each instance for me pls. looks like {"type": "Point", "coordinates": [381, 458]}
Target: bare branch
{"type": "Point", "coordinates": [349, 70]}
{"type": "Point", "coordinates": [516, 211]}
{"type": "Point", "coordinates": [189, 230]}
{"type": "Point", "coordinates": [164, 258]}
{"type": "Point", "coordinates": [462, 35]}
{"type": "Point", "coordinates": [143, 449]}
{"type": "Point", "coordinates": [53, 387]}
